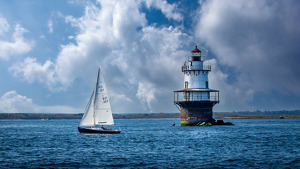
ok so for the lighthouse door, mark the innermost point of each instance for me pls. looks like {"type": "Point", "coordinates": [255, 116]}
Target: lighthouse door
{"type": "Point", "coordinates": [186, 84]}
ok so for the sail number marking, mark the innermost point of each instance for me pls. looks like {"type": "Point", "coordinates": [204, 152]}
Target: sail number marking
{"type": "Point", "coordinates": [105, 99]}
{"type": "Point", "coordinates": [101, 88]}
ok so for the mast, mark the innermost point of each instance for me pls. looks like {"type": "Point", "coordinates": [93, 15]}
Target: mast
{"type": "Point", "coordinates": [96, 95]}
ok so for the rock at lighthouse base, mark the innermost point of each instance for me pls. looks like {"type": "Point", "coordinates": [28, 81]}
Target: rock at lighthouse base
{"type": "Point", "coordinates": [205, 123]}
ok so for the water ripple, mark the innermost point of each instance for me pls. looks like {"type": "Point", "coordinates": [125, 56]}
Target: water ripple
{"type": "Point", "coordinates": [151, 144]}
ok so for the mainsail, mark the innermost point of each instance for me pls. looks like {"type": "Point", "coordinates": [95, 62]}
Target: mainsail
{"type": "Point", "coordinates": [98, 110]}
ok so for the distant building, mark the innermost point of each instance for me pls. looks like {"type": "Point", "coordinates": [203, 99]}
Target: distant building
{"type": "Point", "coordinates": [196, 99]}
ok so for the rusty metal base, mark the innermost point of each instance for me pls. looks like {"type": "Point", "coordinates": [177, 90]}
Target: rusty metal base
{"type": "Point", "coordinates": [195, 113]}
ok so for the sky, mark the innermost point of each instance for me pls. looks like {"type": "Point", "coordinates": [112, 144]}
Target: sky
{"type": "Point", "coordinates": [50, 52]}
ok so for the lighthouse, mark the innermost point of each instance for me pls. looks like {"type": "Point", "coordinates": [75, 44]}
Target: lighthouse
{"type": "Point", "coordinates": [196, 99]}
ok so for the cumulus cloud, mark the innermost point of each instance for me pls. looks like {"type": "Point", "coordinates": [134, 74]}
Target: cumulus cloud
{"type": "Point", "coordinates": [18, 45]}
{"type": "Point", "coordinates": [32, 71]}
{"type": "Point", "coordinates": [12, 102]}
{"type": "Point", "coordinates": [257, 40]}
{"type": "Point", "coordinates": [139, 57]}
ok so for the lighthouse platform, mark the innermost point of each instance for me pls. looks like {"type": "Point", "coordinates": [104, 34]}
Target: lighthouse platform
{"type": "Point", "coordinates": [196, 105]}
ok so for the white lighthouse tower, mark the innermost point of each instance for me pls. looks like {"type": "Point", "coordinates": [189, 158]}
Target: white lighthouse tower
{"type": "Point", "coordinates": [196, 100]}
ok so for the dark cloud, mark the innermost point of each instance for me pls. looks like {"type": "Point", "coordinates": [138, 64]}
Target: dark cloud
{"type": "Point", "coordinates": [258, 39]}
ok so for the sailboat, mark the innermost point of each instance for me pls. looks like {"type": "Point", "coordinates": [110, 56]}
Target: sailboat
{"type": "Point", "coordinates": [98, 111]}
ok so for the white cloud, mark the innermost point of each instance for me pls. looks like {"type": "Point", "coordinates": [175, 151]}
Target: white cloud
{"type": "Point", "coordinates": [18, 46]}
{"type": "Point", "coordinates": [32, 71]}
{"type": "Point", "coordinates": [169, 10]}
{"type": "Point", "coordinates": [4, 26]}
{"type": "Point", "coordinates": [12, 102]}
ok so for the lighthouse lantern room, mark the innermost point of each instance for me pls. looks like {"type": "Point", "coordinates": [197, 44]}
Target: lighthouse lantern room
{"type": "Point", "coordinates": [196, 100]}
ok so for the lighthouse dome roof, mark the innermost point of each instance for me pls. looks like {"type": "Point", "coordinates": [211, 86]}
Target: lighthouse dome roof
{"type": "Point", "coordinates": [195, 50]}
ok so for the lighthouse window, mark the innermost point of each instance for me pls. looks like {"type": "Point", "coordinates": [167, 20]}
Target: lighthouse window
{"type": "Point", "coordinates": [206, 84]}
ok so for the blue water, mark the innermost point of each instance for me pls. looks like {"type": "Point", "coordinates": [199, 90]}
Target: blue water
{"type": "Point", "coordinates": [267, 143]}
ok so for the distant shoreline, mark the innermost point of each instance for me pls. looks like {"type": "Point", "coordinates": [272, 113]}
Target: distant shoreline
{"type": "Point", "coordinates": [263, 117]}
{"type": "Point", "coordinates": [217, 115]}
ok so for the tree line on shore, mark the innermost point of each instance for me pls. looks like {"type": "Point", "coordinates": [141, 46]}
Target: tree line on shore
{"type": "Point", "coordinates": [217, 115]}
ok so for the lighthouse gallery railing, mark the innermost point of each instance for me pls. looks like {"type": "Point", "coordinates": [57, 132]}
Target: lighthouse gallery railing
{"type": "Point", "coordinates": [188, 68]}
{"type": "Point", "coordinates": [180, 96]}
